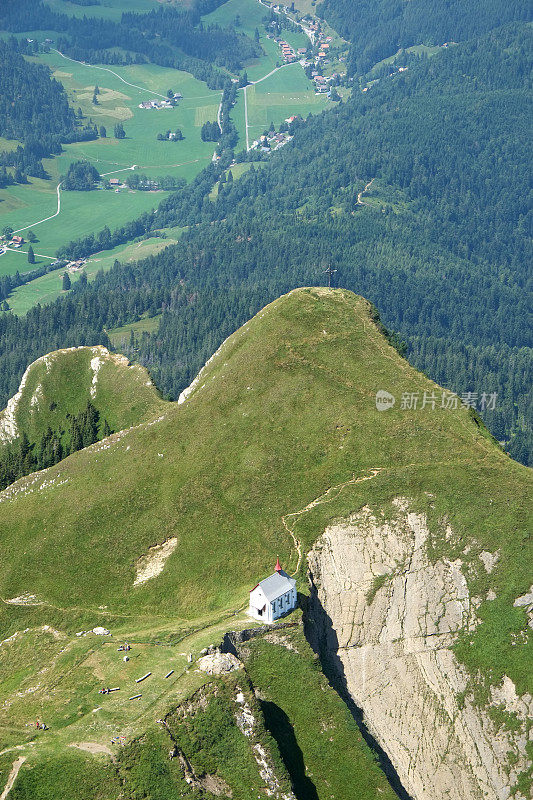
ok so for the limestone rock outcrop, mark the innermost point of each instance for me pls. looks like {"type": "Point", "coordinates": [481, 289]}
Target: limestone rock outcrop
{"type": "Point", "coordinates": [389, 616]}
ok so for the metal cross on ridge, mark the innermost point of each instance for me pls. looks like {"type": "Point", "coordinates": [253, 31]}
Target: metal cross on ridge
{"type": "Point", "coordinates": [330, 272]}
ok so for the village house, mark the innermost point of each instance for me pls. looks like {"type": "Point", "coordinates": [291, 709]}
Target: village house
{"type": "Point", "coordinates": [273, 597]}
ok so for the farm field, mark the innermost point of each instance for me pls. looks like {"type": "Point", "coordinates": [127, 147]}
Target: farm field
{"type": "Point", "coordinates": [109, 9]}
{"type": "Point", "coordinates": [22, 206]}
{"type": "Point", "coordinates": [286, 93]}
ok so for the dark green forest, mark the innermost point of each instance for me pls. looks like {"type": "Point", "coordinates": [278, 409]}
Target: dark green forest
{"type": "Point", "coordinates": [23, 457]}
{"type": "Point", "coordinates": [440, 242]}
{"type": "Point", "coordinates": [379, 28]}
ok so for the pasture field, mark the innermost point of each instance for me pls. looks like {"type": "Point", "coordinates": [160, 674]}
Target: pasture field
{"type": "Point", "coordinates": [48, 287]}
{"type": "Point", "coordinates": [85, 212]}
{"type": "Point", "coordinates": [120, 336]}
{"type": "Point", "coordinates": [284, 94]}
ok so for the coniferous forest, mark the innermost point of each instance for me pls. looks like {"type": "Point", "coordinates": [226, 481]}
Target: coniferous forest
{"type": "Point", "coordinates": [440, 242]}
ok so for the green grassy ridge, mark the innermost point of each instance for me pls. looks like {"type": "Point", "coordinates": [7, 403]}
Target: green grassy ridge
{"type": "Point", "coordinates": [61, 383]}
{"type": "Point", "coordinates": [285, 411]}
{"type": "Point", "coordinates": [213, 743]}
{"type": "Point", "coordinates": [311, 738]}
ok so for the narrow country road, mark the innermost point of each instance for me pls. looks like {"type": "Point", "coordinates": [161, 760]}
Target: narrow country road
{"type": "Point", "coordinates": [361, 193]}
{"type": "Point", "coordinates": [46, 218]}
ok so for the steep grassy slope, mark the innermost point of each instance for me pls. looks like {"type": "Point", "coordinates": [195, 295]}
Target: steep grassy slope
{"type": "Point", "coordinates": [284, 411]}
{"type": "Point", "coordinates": [61, 383]}
{"type": "Point", "coordinates": [279, 437]}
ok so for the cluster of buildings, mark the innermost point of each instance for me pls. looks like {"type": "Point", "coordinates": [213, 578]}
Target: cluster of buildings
{"type": "Point", "coordinates": [271, 141]}
{"type": "Point", "coordinates": [323, 85]}
{"type": "Point", "coordinates": [159, 104]}
{"type": "Point", "coordinates": [71, 266]}
{"type": "Point", "coordinates": [13, 241]}
{"type": "Point", "coordinates": [117, 184]}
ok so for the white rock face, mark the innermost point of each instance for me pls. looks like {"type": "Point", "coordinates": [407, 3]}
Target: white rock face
{"type": "Point", "coordinates": [394, 618]}
{"type": "Point", "coordinates": [526, 602]}
{"type": "Point", "coordinates": [152, 564]}
{"type": "Point", "coordinates": [219, 663]}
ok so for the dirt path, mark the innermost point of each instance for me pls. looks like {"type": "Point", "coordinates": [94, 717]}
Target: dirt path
{"type": "Point", "coordinates": [12, 776]}
{"type": "Point", "coordinates": [327, 497]}
{"type": "Point", "coordinates": [361, 193]}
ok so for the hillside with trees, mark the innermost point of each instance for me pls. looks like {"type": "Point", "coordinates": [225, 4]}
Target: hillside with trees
{"type": "Point", "coordinates": [41, 126]}
{"type": "Point", "coordinates": [441, 254]}
{"type": "Point", "coordinates": [170, 36]}
{"type": "Point", "coordinates": [379, 29]}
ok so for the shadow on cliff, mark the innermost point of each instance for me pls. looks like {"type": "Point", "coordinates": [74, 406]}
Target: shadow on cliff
{"type": "Point", "coordinates": [322, 637]}
{"type": "Point", "coordinates": [279, 726]}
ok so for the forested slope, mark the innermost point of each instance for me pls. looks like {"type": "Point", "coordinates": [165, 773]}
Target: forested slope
{"type": "Point", "coordinates": [41, 126]}
{"type": "Point", "coordinates": [378, 29]}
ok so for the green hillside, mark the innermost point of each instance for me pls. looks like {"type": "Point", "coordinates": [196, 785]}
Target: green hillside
{"type": "Point", "coordinates": [279, 436]}
{"type": "Point", "coordinates": [55, 393]}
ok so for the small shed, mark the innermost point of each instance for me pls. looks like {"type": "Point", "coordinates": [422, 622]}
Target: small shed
{"type": "Point", "coordinates": [273, 597]}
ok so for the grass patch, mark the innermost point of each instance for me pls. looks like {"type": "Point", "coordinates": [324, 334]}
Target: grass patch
{"type": "Point", "coordinates": [79, 777]}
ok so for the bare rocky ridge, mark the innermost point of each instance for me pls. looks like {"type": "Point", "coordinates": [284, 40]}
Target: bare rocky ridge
{"type": "Point", "coordinates": [391, 617]}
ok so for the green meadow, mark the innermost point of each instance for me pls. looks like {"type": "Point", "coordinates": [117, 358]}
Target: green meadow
{"type": "Point", "coordinates": [109, 9]}
{"type": "Point", "coordinates": [87, 212]}
{"type": "Point", "coordinates": [286, 93]}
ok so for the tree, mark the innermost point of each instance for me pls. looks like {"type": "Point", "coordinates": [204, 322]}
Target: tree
{"type": "Point", "coordinates": [179, 135]}
{"type": "Point", "coordinates": [31, 236]}
{"type": "Point", "coordinates": [119, 131]}
{"type": "Point", "coordinates": [67, 283]}
{"type": "Point", "coordinates": [256, 36]}
{"type": "Point", "coordinates": [96, 90]}
{"type": "Point", "coordinates": [243, 80]}
{"type": "Point", "coordinates": [170, 94]}
{"type": "Point", "coordinates": [95, 99]}
{"type": "Point", "coordinates": [31, 255]}
{"type": "Point", "coordinates": [160, 137]}
{"type": "Point", "coordinates": [103, 132]}
{"type": "Point", "coordinates": [7, 232]}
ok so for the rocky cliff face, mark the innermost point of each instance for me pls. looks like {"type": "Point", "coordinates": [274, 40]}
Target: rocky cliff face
{"type": "Point", "coordinates": [389, 616]}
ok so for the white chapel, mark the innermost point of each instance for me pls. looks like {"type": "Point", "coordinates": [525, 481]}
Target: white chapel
{"type": "Point", "coordinates": [273, 597]}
